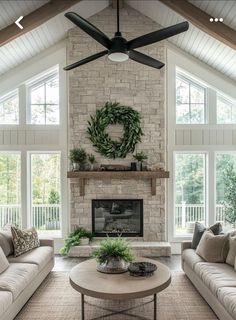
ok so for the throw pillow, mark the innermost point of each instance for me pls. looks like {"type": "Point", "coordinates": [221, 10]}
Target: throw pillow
{"type": "Point", "coordinates": [6, 242]}
{"type": "Point", "coordinates": [199, 229]}
{"type": "Point", "coordinates": [4, 264]}
{"type": "Point", "coordinates": [232, 250]}
{"type": "Point", "coordinates": [213, 248]}
{"type": "Point", "coordinates": [24, 240]}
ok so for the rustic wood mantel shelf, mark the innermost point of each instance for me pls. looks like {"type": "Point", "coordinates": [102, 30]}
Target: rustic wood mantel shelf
{"type": "Point", "coordinates": [102, 175]}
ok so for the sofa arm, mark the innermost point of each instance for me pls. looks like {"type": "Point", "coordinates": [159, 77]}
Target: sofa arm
{"type": "Point", "coordinates": [46, 242]}
{"type": "Point", "coordinates": [185, 245]}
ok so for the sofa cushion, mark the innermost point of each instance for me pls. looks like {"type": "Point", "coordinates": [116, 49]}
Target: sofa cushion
{"type": "Point", "coordinates": [24, 240]}
{"type": "Point", "coordinates": [232, 251]}
{"type": "Point", "coordinates": [39, 256]}
{"type": "Point", "coordinates": [4, 264]}
{"type": "Point", "coordinates": [5, 301]}
{"type": "Point", "coordinates": [227, 296]}
{"type": "Point", "coordinates": [213, 248]}
{"type": "Point", "coordinates": [199, 229]}
{"type": "Point", "coordinates": [191, 257]}
{"type": "Point", "coordinates": [17, 277]}
{"type": "Point", "coordinates": [6, 242]}
{"type": "Point", "coordinates": [216, 275]}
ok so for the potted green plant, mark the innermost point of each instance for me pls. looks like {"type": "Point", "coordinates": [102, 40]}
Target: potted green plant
{"type": "Point", "coordinates": [91, 159]}
{"type": "Point", "coordinates": [113, 255]}
{"type": "Point", "coordinates": [140, 157]}
{"type": "Point", "coordinates": [78, 157]}
{"type": "Point", "coordinates": [76, 238]}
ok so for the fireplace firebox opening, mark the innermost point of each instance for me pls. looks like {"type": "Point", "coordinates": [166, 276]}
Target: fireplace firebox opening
{"type": "Point", "coordinates": [117, 217]}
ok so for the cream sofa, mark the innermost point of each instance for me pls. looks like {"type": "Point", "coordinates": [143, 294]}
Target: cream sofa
{"type": "Point", "coordinates": [216, 282]}
{"type": "Point", "coordinates": [23, 276]}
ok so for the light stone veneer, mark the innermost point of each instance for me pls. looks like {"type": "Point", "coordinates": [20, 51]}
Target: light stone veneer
{"type": "Point", "coordinates": [132, 84]}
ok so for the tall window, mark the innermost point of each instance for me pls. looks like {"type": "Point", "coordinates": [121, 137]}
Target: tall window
{"type": "Point", "coordinates": [9, 108]}
{"type": "Point", "coordinates": [225, 183]}
{"type": "Point", "coordinates": [226, 110]}
{"type": "Point", "coordinates": [190, 101]}
{"type": "Point", "coordinates": [10, 186]}
{"type": "Point", "coordinates": [44, 100]}
{"type": "Point", "coordinates": [190, 204]}
{"type": "Point", "coordinates": [46, 192]}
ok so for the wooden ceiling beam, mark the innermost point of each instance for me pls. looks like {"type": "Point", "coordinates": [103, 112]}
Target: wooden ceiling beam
{"type": "Point", "coordinates": [200, 19]}
{"type": "Point", "coordinates": [35, 19]}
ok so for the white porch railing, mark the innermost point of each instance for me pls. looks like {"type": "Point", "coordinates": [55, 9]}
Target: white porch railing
{"type": "Point", "coordinates": [44, 216]}
{"type": "Point", "coordinates": [10, 213]}
{"type": "Point", "coordinates": [185, 213]}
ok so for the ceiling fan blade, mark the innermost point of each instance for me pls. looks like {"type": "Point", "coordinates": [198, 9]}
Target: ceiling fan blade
{"type": "Point", "coordinates": [89, 28]}
{"type": "Point", "coordinates": [144, 59]}
{"type": "Point", "coordinates": [159, 35]}
{"type": "Point", "coordinates": [86, 60]}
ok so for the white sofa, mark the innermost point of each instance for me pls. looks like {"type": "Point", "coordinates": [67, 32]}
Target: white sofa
{"type": "Point", "coordinates": [23, 276]}
{"type": "Point", "coordinates": [216, 282]}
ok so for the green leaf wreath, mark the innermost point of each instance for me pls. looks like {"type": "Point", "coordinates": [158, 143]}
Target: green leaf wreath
{"type": "Point", "coordinates": [114, 113]}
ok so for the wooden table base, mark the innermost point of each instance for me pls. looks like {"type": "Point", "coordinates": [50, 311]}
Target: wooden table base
{"type": "Point", "coordinates": [124, 311]}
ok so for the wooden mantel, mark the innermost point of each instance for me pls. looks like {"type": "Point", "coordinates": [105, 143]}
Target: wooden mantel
{"type": "Point", "coordinates": [102, 175]}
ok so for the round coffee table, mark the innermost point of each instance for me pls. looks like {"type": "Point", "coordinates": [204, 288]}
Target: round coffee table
{"type": "Point", "coordinates": [88, 281]}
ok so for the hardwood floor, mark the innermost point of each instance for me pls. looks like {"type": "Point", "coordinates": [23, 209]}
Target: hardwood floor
{"type": "Point", "coordinates": [66, 264]}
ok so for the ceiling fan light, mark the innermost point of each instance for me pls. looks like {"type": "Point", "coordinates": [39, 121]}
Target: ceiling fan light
{"type": "Point", "coordinates": [118, 56]}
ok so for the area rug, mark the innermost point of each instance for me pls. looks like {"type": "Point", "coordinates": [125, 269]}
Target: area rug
{"type": "Point", "coordinates": [55, 299]}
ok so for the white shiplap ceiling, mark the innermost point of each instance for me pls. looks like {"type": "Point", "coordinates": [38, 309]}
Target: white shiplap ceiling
{"type": "Point", "coordinates": [42, 37]}
{"type": "Point", "coordinates": [194, 42]}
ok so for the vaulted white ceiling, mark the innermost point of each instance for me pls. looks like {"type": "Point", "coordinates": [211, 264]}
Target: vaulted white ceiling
{"type": "Point", "coordinates": [194, 42]}
{"type": "Point", "coordinates": [42, 37]}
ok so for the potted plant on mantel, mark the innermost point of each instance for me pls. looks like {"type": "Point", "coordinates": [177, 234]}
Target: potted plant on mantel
{"type": "Point", "coordinates": [91, 159]}
{"type": "Point", "coordinates": [140, 157]}
{"type": "Point", "coordinates": [80, 236]}
{"type": "Point", "coordinates": [78, 158]}
{"type": "Point", "coordinates": [113, 255]}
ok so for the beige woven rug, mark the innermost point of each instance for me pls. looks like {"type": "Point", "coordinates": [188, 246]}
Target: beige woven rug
{"type": "Point", "coordinates": [55, 299]}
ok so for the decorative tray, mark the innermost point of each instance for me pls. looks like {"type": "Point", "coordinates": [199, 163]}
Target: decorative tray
{"type": "Point", "coordinates": [142, 269]}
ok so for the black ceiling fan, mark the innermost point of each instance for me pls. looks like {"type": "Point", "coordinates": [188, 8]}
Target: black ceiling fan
{"type": "Point", "coordinates": [118, 48]}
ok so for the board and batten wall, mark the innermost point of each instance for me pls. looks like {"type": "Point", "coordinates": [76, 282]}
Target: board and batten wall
{"type": "Point", "coordinates": [26, 138]}
{"type": "Point", "coordinates": [207, 138]}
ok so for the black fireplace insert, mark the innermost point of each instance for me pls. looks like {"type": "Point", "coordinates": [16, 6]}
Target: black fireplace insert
{"type": "Point", "coordinates": [117, 217]}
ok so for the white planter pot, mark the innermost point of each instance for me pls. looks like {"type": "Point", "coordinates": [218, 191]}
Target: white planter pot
{"type": "Point", "coordinates": [84, 241]}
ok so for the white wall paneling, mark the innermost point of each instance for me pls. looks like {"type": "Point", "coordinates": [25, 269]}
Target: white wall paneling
{"type": "Point", "coordinates": [208, 138]}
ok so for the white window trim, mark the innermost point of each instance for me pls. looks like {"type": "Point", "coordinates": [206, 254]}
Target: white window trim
{"type": "Point", "coordinates": [185, 76]}
{"type": "Point", "coordinates": [6, 96]}
{"type": "Point", "coordinates": [175, 237]}
{"type": "Point", "coordinates": [226, 99]}
{"type": "Point", "coordinates": [37, 81]}
{"type": "Point", "coordinates": [215, 83]}
{"type": "Point", "coordinates": [30, 188]}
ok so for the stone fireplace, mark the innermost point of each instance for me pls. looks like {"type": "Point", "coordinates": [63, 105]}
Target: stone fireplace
{"type": "Point", "coordinates": [131, 84]}
{"type": "Point", "coordinates": [117, 217]}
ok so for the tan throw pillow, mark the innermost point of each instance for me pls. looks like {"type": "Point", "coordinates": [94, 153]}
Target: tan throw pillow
{"type": "Point", "coordinates": [213, 248]}
{"type": "Point", "coordinates": [232, 251]}
{"type": "Point", "coordinates": [24, 240]}
{"type": "Point", "coordinates": [4, 264]}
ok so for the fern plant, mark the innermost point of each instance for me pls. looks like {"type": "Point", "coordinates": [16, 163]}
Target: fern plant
{"type": "Point", "coordinates": [113, 248]}
{"type": "Point", "coordinates": [74, 239]}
